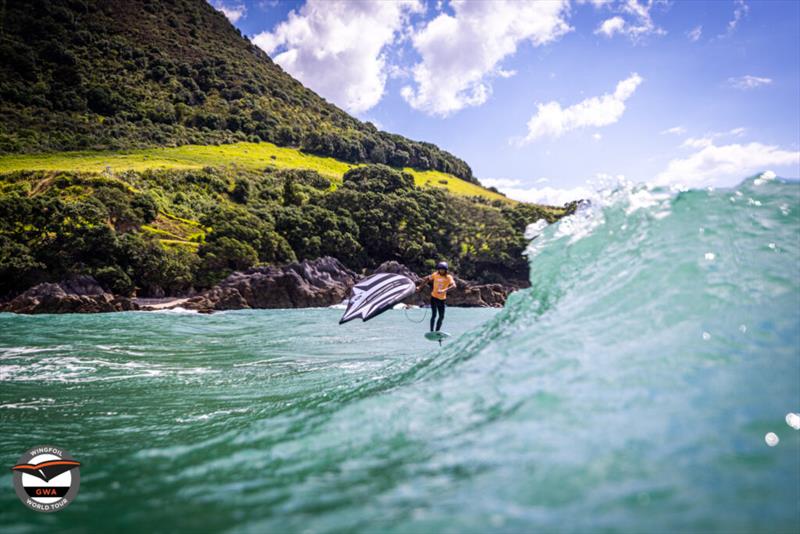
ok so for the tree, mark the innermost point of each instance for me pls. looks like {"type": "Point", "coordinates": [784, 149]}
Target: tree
{"type": "Point", "coordinates": [377, 179]}
{"type": "Point", "coordinates": [221, 257]}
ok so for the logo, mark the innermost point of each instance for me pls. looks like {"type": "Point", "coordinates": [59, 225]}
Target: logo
{"type": "Point", "coordinates": [46, 478]}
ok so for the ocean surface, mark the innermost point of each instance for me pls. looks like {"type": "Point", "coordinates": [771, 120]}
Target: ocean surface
{"type": "Point", "coordinates": [629, 389]}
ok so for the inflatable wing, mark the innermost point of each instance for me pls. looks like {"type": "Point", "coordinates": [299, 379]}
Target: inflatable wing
{"type": "Point", "coordinates": [376, 294]}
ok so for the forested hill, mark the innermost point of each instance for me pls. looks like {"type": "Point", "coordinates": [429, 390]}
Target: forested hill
{"type": "Point", "coordinates": [120, 74]}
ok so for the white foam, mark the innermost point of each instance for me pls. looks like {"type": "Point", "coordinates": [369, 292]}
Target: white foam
{"type": "Point", "coordinates": [77, 369]}
{"type": "Point", "coordinates": [534, 229]}
{"type": "Point", "coordinates": [176, 310]}
{"type": "Point", "coordinates": [616, 192]}
{"type": "Point", "coordinates": [12, 352]}
{"type": "Point", "coordinates": [207, 416]}
{"type": "Point", "coordinates": [33, 404]}
{"type": "Point", "coordinates": [764, 177]}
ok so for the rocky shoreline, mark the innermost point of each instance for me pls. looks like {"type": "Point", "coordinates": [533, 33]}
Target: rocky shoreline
{"type": "Point", "coordinates": [307, 284]}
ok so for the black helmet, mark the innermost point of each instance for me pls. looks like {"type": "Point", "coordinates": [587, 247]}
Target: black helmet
{"type": "Point", "coordinates": [442, 265]}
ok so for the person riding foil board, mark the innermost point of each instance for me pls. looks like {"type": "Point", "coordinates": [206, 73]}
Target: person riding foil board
{"type": "Point", "coordinates": [442, 282]}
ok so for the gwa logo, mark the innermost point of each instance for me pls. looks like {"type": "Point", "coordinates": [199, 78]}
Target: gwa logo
{"type": "Point", "coordinates": [46, 478]}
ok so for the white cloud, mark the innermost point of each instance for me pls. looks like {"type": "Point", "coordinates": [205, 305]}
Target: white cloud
{"type": "Point", "coordinates": [727, 164]}
{"type": "Point", "coordinates": [676, 130]}
{"type": "Point", "coordinates": [540, 195]}
{"type": "Point", "coordinates": [596, 3]}
{"type": "Point", "coordinates": [461, 53]}
{"type": "Point", "coordinates": [596, 136]}
{"type": "Point", "coordinates": [740, 10]}
{"type": "Point", "coordinates": [233, 12]}
{"type": "Point", "coordinates": [708, 139]}
{"type": "Point", "coordinates": [611, 26]}
{"type": "Point", "coordinates": [500, 182]}
{"type": "Point", "coordinates": [748, 82]}
{"type": "Point", "coordinates": [552, 120]}
{"type": "Point", "coordinates": [639, 23]}
{"type": "Point", "coordinates": [697, 142]}
{"type": "Point", "coordinates": [695, 34]}
{"type": "Point", "coordinates": [337, 48]}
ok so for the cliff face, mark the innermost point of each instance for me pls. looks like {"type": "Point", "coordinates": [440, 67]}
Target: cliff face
{"type": "Point", "coordinates": [137, 73]}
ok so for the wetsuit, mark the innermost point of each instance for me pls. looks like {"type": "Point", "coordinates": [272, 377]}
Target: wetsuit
{"type": "Point", "coordinates": [437, 306]}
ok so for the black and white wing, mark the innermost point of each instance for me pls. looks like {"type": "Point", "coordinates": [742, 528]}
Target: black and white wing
{"type": "Point", "coordinates": [376, 294]}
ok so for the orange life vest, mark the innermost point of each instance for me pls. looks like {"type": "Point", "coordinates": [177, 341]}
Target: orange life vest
{"type": "Point", "coordinates": [440, 284]}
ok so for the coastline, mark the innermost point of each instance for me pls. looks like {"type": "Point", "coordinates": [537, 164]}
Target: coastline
{"type": "Point", "coordinates": [318, 283]}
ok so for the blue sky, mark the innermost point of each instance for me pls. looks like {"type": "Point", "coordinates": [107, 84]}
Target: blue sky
{"type": "Point", "coordinates": [542, 98]}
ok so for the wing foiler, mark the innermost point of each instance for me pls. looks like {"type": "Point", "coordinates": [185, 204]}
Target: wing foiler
{"type": "Point", "coordinates": [375, 294]}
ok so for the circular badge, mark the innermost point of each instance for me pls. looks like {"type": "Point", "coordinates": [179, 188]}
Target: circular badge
{"type": "Point", "coordinates": [46, 478]}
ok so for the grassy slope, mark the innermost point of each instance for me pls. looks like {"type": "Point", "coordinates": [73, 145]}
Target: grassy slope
{"type": "Point", "coordinates": [123, 75]}
{"type": "Point", "coordinates": [245, 155]}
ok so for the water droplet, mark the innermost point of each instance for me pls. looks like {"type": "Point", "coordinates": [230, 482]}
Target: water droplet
{"type": "Point", "coordinates": [742, 328]}
{"type": "Point", "coordinates": [710, 256]}
{"type": "Point", "coordinates": [793, 420]}
{"type": "Point", "coordinates": [706, 336]}
{"type": "Point", "coordinates": [771, 439]}
{"type": "Point", "coordinates": [772, 246]}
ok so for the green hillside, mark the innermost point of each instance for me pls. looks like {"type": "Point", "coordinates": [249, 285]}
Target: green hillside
{"type": "Point", "coordinates": [96, 75]}
{"type": "Point", "coordinates": [250, 156]}
{"type": "Point", "coordinates": [165, 231]}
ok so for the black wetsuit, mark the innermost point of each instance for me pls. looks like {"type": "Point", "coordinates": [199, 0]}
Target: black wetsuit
{"type": "Point", "coordinates": [437, 305]}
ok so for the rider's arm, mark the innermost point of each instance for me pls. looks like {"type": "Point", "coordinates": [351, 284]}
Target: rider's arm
{"type": "Point", "coordinates": [452, 284]}
{"type": "Point", "coordinates": [422, 282]}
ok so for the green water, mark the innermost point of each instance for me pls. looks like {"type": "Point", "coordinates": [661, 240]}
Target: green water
{"type": "Point", "coordinates": [628, 390]}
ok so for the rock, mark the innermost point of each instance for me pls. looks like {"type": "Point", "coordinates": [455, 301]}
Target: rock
{"type": "Point", "coordinates": [396, 268]}
{"type": "Point", "coordinates": [472, 295]}
{"type": "Point", "coordinates": [82, 285]}
{"type": "Point", "coordinates": [81, 294]}
{"type": "Point", "coordinates": [310, 283]}
{"type": "Point", "coordinates": [467, 294]}
{"type": "Point", "coordinates": [217, 298]}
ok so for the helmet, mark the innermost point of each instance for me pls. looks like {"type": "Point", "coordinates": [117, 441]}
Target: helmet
{"type": "Point", "coordinates": [442, 265]}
